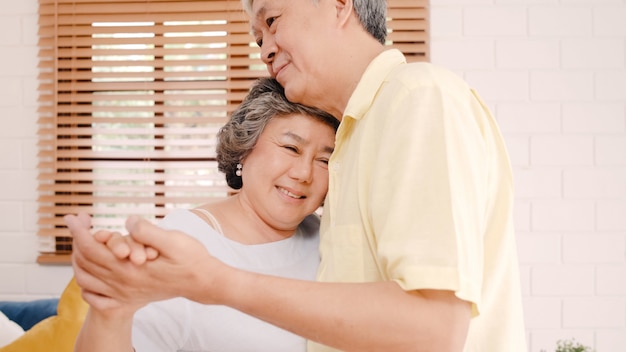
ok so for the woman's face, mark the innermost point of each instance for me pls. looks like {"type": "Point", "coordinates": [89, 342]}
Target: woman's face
{"type": "Point", "coordinates": [285, 176]}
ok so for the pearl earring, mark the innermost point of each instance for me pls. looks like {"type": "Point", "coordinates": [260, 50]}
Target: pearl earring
{"type": "Point", "coordinates": [238, 172]}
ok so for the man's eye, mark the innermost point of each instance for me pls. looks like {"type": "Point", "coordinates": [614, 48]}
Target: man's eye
{"type": "Point", "coordinates": [259, 42]}
{"type": "Point", "coordinates": [270, 20]}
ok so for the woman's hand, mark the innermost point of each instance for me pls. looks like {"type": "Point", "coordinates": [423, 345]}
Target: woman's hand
{"type": "Point", "coordinates": [149, 264]}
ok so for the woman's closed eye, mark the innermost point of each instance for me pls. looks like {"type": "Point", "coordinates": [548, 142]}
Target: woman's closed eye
{"type": "Point", "coordinates": [292, 148]}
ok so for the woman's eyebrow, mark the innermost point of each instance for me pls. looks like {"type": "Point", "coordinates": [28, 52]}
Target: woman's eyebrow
{"type": "Point", "coordinates": [299, 139]}
{"type": "Point", "coordinates": [295, 136]}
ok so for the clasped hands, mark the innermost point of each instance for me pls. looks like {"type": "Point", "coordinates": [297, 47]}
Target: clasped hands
{"type": "Point", "coordinates": [124, 273]}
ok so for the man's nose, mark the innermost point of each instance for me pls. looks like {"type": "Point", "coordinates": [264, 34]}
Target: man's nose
{"type": "Point", "coordinates": [268, 50]}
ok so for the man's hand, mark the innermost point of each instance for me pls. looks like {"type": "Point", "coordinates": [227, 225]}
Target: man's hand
{"type": "Point", "coordinates": [111, 272]}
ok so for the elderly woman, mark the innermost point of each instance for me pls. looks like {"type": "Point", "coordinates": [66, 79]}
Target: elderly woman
{"type": "Point", "coordinates": [276, 154]}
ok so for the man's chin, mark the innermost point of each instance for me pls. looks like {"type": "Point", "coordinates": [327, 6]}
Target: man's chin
{"type": "Point", "coordinates": [293, 95]}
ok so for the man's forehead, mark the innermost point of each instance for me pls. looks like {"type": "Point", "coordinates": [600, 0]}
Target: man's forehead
{"type": "Point", "coordinates": [257, 11]}
{"type": "Point", "coordinates": [259, 7]}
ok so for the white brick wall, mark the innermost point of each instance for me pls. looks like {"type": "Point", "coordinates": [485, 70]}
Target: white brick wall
{"type": "Point", "coordinates": [22, 278]}
{"type": "Point", "coordinates": [554, 72]}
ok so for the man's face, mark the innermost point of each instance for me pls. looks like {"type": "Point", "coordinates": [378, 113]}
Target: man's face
{"type": "Point", "coordinates": [292, 35]}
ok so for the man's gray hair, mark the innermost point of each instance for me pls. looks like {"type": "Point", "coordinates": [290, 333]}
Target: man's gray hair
{"type": "Point", "coordinates": [371, 13]}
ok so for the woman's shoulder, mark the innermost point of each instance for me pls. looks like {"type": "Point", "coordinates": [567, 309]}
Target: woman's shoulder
{"type": "Point", "coordinates": [184, 220]}
{"type": "Point", "coordinates": [175, 215]}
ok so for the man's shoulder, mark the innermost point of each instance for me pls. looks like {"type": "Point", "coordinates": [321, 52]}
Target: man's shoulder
{"type": "Point", "coordinates": [418, 76]}
{"type": "Point", "coordinates": [425, 73]}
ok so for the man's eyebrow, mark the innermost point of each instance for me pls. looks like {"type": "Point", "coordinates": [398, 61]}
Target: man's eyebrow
{"type": "Point", "coordinates": [257, 17]}
{"type": "Point", "coordinates": [261, 12]}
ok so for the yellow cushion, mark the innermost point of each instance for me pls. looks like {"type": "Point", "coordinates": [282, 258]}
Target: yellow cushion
{"type": "Point", "coordinates": [56, 333]}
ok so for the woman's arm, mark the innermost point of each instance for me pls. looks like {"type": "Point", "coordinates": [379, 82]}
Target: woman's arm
{"type": "Point", "coordinates": [108, 324]}
{"type": "Point", "coordinates": [105, 331]}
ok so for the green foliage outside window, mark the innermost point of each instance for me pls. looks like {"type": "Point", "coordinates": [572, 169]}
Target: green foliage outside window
{"type": "Point", "coordinates": [571, 346]}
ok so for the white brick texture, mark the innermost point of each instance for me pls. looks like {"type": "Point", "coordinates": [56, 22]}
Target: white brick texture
{"type": "Point", "coordinates": [560, 21]}
{"type": "Point", "coordinates": [611, 340]}
{"type": "Point", "coordinates": [478, 53]}
{"type": "Point", "coordinates": [495, 21]}
{"type": "Point", "coordinates": [608, 21]}
{"type": "Point", "coordinates": [596, 183]}
{"type": "Point", "coordinates": [597, 312]}
{"type": "Point", "coordinates": [534, 183]}
{"type": "Point", "coordinates": [501, 85]}
{"type": "Point", "coordinates": [554, 72]}
{"type": "Point", "coordinates": [22, 278]}
{"type": "Point", "coordinates": [528, 53]}
{"type": "Point", "coordinates": [521, 214]}
{"type": "Point", "coordinates": [611, 85]}
{"type": "Point", "coordinates": [561, 150]}
{"type": "Point", "coordinates": [592, 53]}
{"type": "Point", "coordinates": [561, 85]}
{"type": "Point", "coordinates": [537, 248]}
{"type": "Point", "coordinates": [610, 150]}
{"type": "Point", "coordinates": [594, 118]}
{"type": "Point", "coordinates": [611, 215]}
{"type": "Point", "coordinates": [595, 248]}
{"type": "Point", "coordinates": [562, 280]}
{"type": "Point", "coordinates": [562, 215]}
{"type": "Point", "coordinates": [446, 22]}
{"type": "Point", "coordinates": [542, 313]}
{"type": "Point", "coordinates": [606, 280]}
{"type": "Point", "coordinates": [529, 118]}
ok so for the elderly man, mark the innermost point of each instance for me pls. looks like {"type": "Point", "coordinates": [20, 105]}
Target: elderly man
{"type": "Point", "coordinates": [417, 245]}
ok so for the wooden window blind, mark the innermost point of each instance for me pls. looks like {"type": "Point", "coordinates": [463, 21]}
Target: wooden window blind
{"type": "Point", "coordinates": [132, 94]}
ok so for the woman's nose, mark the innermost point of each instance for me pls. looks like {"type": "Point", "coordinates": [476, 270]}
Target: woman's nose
{"type": "Point", "coordinates": [302, 171]}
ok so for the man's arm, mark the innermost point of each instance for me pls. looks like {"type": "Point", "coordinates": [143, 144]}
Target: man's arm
{"type": "Point", "coordinates": [352, 317]}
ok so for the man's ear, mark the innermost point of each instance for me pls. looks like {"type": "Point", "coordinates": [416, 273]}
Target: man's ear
{"type": "Point", "coordinates": [345, 9]}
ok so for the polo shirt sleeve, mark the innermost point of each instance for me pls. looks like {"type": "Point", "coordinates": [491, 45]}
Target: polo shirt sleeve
{"type": "Point", "coordinates": [429, 192]}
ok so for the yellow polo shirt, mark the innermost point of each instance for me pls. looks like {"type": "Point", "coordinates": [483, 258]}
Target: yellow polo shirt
{"type": "Point", "coordinates": [421, 193]}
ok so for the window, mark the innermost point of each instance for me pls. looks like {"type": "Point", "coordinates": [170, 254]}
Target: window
{"type": "Point", "coordinates": [132, 94]}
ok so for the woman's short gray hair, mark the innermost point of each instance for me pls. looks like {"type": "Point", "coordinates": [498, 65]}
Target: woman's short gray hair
{"type": "Point", "coordinates": [237, 138]}
{"type": "Point", "coordinates": [371, 13]}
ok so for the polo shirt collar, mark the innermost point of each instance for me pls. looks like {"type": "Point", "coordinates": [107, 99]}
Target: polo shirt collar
{"type": "Point", "coordinates": [373, 77]}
